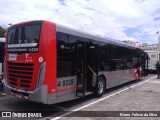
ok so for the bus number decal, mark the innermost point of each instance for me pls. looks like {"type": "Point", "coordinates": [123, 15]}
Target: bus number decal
{"type": "Point", "coordinates": [65, 83]}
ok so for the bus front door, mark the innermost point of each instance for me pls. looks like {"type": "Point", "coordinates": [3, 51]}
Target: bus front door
{"type": "Point", "coordinates": [87, 67]}
{"type": "Point", "coordinates": [81, 60]}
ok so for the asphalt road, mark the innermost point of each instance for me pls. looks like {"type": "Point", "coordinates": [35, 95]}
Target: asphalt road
{"type": "Point", "coordinates": [144, 96]}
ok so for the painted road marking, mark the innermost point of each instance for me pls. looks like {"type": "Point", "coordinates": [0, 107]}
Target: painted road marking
{"type": "Point", "coordinates": [99, 100]}
{"type": "Point", "coordinates": [153, 82]}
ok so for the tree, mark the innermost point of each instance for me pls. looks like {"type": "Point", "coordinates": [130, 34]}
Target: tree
{"type": "Point", "coordinates": [2, 32]}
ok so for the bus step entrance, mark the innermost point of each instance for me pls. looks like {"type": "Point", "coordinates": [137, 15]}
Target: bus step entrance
{"type": "Point", "coordinates": [88, 93]}
{"type": "Point", "coordinates": [81, 92]}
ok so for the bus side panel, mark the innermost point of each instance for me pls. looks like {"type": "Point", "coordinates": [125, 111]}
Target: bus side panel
{"type": "Point", "coordinates": [114, 78]}
{"type": "Point", "coordinates": [50, 56]}
{"type": "Point", "coordinates": [66, 88]}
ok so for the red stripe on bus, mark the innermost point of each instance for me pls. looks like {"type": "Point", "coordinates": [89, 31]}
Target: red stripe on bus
{"type": "Point", "coordinates": [115, 78]}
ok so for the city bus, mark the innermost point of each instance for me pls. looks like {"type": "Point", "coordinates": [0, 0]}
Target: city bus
{"type": "Point", "coordinates": [49, 63]}
{"type": "Point", "coordinates": [2, 41]}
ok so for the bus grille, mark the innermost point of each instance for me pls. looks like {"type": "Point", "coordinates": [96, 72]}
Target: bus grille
{"type": "Point", "coordinates": [20, 74]}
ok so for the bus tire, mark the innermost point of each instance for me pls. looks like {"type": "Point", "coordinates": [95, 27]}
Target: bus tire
{"type": "Point", "coordinates": [100, 87]}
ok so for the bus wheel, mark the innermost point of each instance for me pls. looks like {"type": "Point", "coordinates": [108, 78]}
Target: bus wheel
{"type": "Point", "coordinates": [137, 76]}
{"type": "Point", "coordinates": [100, 87]}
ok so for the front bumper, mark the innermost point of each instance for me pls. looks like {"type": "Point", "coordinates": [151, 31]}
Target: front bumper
{"type": "Point", "coordinates": [40, 94]}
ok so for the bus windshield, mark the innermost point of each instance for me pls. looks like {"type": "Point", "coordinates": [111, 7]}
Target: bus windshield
{"type": "Point", "coordinates": [24, 36]}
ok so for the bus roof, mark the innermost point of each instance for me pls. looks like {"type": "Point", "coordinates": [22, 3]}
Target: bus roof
{"type": "Point", "coordinates": [2, 39]}
{"type": "Point", "coordinates": [75, 32]}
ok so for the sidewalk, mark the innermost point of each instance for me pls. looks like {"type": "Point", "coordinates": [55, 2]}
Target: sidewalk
{"type": "Point", "coordinates": [144, 97]}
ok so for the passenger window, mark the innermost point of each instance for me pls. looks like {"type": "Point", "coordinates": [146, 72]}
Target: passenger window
{"type": "Point", "coordinates": [66, 60]}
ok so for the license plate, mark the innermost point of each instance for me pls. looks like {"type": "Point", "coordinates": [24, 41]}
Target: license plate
{"type": "Point", "coordinates": [18, 95]}
{"type": "Point", "coordinates": [12, 57]}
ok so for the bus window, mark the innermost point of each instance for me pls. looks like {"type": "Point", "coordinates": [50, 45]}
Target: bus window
{"type": "Point", "coordinates": [103, 57]}
{"type": "Point", "coordinates": [66, 56]}
{"type": "Point", "coordinates": [24, 36]}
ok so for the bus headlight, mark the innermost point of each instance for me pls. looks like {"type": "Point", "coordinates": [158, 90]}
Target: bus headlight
{"type": "Point", "coordinates": [41, 74]}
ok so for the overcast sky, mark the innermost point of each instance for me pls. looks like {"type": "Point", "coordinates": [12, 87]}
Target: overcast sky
{"type": "Point", "coordinates": [137, 20]}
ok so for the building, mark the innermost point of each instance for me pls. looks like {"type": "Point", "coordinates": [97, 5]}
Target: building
{"type": "Point", "coordinates": [152, 47]}
{"type": "Point", "coordinates": [153, 52]}
{"type": "Point", "coordinates": [129, 42]}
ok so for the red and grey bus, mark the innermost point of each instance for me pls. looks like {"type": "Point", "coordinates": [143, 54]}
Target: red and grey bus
{"type": "Point", "coordinates": [49, 63]}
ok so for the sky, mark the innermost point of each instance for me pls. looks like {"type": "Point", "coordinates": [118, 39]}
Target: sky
{"type": "Point", "coordinates": [135, 20]}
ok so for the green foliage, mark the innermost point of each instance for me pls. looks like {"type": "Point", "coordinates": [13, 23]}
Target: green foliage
{"type": "Point", "coordinates": [2, 32]}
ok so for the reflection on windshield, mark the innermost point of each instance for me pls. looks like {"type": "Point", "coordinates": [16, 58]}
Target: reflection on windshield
{"type": "Point", "coordinates": [24, 36]}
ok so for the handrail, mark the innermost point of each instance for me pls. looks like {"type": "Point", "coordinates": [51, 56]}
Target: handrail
{"type": "Point", "coordinates": [94, 73]}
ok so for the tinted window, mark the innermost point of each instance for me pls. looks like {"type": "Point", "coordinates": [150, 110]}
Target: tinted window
{"type": "Point", "coordinates": [66, 60]}
{"type": "Point", "coordinates": [113, 57]}
{"type": "Point", "coordinates": [103, 57]}
{"type": "Point", "coordinates": [26, 34]}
